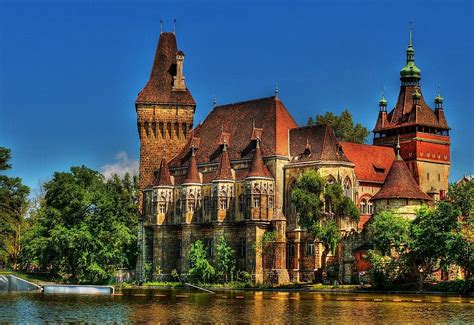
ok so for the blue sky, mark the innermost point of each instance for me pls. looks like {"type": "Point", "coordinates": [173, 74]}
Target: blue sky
{"type": "Point", "coordinates": [70, 71]}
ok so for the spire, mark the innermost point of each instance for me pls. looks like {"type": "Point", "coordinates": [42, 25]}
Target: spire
{"type": "Point", "coordinates": [224, 171]}
{"type": "Point", "coordinates": [397, 150]}
{"type": "Point", "coordinates": [439, 99]}
{"type": "Point", "coordinates": [161, 26]}
{"type": "Point", "coordinates": [383, 103]}
{"type": "Point", "coordinates": [174, 26]}
{"type": "Point", "coordinates": [258, 168]}
{"type": "Point", "coordinates": [276, 90]}
{"type": "Point", "coordinates": [163, 178]}
{"type": "Point", "coordinates": [192, 174]}
{"type": "Point", "coordinates": [410, 72]}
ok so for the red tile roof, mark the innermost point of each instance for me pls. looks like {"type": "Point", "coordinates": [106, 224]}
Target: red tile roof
{"type": "Point", "coordinates": [313, 143]}
{"type": "Point", "coordinates": [405, 114]}
{"type": "Point", "coordinates": [163, 177]}
{"type": "Point", "coordinates": [258, 167]}
{"type": "Point", "coordinates": [158, 90]}
{"type": "Point", "coordinates": [238, 122]}
{"type": "Point", "coordinates": [372, 163]}
{"type": "Point", "coordinates": [400, 184]}
{"type": "Point", "coordinates": [224, 171]}
{"type": "Point", "coordinates": [192, 174]}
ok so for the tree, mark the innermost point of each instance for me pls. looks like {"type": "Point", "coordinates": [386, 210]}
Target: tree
{"type": "Point", "coordinates": [389, 232]}
{"type": "Point", "coordinates": [200, 269]}
{"type": "Point", "coordinates": [13, 207]}
{"type": "Point", "coordinates": [225, 259]}
{"type": "Point", "coordinates": [430, 233]}
{"type": "Point", "coordinates": [311, 121]}
{"type": "Point", "coordinates": [344, 127]}
{"type": "Point", "coordinates": [320, 205]}
{"type": "Point", "coordinates": [86, 226]}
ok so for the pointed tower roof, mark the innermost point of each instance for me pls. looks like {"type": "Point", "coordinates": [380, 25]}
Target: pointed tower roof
{"type": "Point", "coordinates": [159, 88]}
{"type": "Point", "coordinates": [224, 171]}
{"type": "Point", "coordinates": [258, 167]}
{"type": "Point", "coordinates": [163, 177]}
{"type": "Point", "coordinates": [399, 183]}
{"type": "Point", "coordinates": [192, 174]}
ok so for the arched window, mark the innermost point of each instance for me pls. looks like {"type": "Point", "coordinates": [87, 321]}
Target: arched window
{"type": "Point", "coordinates": [270, 201]}
{"type": "Point", "coordinates": [153, 128]}
{"type": "Point", "coordinates": [347, 187]}
{"type": "Point", "coordinates": [168, 127]}
{"type": "Point", "coordinates": [330, 179]}
{"type": "Point", "coordinates": [162, 205]}
{"type": "Point", "coordinates": [256, 201]}
{"type": "Point", "coordinates": [363, 206]}
{"type": "Point", "coordinates": [370, 208]}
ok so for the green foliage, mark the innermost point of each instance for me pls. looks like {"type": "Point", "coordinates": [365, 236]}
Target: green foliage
{"type": "Point", "coordinates": [310, 195]}
{"type": "Point", "coordinates": [344, 127]}
{"type": "Point", "coordinates": [86, 227]}
{"type": "Point", "coordinates": [311, 121]}
{"type": "Point", "coordinates": [386, 270]}
{"type": "Point", "coordinates": [389, 232]}
{"type": "Point", "coordinates": [13, 208]}
{"type": "Point", "coordinates": [225, 260]}
{"type": "Point", "coordinates": [462, 196]}
{"type": "Point", "coordinates": [200, 269]}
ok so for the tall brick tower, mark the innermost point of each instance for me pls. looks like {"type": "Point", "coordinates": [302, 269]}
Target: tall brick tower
{"type": "Point", "coordinates": [165, 109]}
{"type": "Point", "coordinates": [423, 132]}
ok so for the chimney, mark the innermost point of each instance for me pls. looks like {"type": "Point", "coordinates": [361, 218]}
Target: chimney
{"type": "Point", "coordinates": [178, 80]}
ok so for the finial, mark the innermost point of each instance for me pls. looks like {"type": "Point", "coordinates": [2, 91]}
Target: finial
{"type": "Point", "coordinates": [438, 99]}
{"type": "Point", "coordinates": [253, 124]}
{"type": "Point", "coordinates": [174, 26]}
{"type": "Point", "coordinates": [161, 26]}
{"type": "Point", "coordinates": [258, 143]}
{"type": "Point", "coordinates": [410, 28]}
{"type": "Point", "coordinates": [224, 148]}
{"type": "Point", "coordinates": [397, 148]}
{"type": "Point", "coordinates": [276, 90]}
{"type": "Point", "coordinates": [214, 102]}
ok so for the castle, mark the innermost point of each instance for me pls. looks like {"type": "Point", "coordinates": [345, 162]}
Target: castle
{"type": "Point", "coordinates": [232, 174]}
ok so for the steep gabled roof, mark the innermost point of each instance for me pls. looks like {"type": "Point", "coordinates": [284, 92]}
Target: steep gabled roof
{"type": "Point", "coordinates": [258, 167]}
{"type": "Point", "coordinates": [192, 173]}
{"type": "Point", "coordinates": [224, 171]}
{"type": "Point", "coordinates": [238, 122]}
{"type": "Point", "coordinates": [159, 88]}
{"type": "Point", "coordinates": [314, 143]}
{"type": "Point", "coordinates": [400, 184]}
{"type": "Point", "coordinates": [163, 177]}
{"type": "Point", "coordinates": [372, 163]}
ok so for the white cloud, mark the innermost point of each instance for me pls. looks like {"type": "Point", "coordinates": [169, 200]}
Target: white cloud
{"type": "Point", "coordinates": [123, 164]}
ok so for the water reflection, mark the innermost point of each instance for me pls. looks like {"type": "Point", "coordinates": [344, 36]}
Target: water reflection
{"type": "Point", "coordinates": [173, 306]}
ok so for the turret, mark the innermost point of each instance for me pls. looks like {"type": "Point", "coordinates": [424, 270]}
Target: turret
{"type": "Point", "coordinates": [191, 191]}
{"type": "Point", "coordinates": [410, 73]}
{"type": "Point", "coordinates": [223, 188]}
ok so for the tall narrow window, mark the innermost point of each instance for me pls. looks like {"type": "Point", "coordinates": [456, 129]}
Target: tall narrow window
{"type": "Point", "coordinates": [309, 248]}
{"type": "Point", "coordinates": [223, 203]}
{"type": "Point", "coordinates": [241, 202]}
{"type": "Point", "coordinates": [242, 247]}
{"type": "Point", "coordinates": [256, 202]}
{"type": "Point", "coordinates": [363, 206]}
{"type": "Point", "coordinates": [270, 202]}
{"type": "Point", "coordinates": [370, 208]}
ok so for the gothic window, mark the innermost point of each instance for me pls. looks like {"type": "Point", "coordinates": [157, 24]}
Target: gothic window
{"type": "Point", "coordinates": [241, 202]}
{"type": "Point", "coordinates": [370, 208]}
{"type": "Point", "coordinates": [309, 248]}
{"type": "Point", "coordinates": [270, 202]}
{"type": "Point", "coordinates": [330, 180]}
{"type": "Point", "coordinates": [223, 203]}
{"type": "Point", "coordinates": [291, 251]}
{"type": "Point", "coordinates": [209, 243]}
{"type": "Point", "coordinates": [256, 202]}
{"type": "Point", "coordinates": [348, 187]}
{"type": "Point", "coordinates": [162, 207]}
{"type": "Point", "coordinates": [178, 206]}
{"type": "Point", "coordinates": [363, 206]}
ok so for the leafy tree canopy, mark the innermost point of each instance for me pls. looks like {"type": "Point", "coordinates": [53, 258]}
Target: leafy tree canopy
{"type": "Point", "coordinates": [225, 259]}
{"type": "Point", "coordinates": [85, 227]}
{"type": "Point", "coordinates": [389, 232]}
{"type": "Point", "coordinates": [344, 127]}
{"type": "Point", "coordinates": [13, 206]}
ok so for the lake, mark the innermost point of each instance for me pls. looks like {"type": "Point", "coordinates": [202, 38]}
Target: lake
{"type": "Point", "coordinates": [179, 306]}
